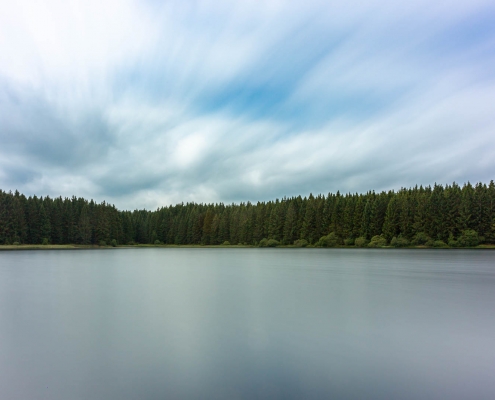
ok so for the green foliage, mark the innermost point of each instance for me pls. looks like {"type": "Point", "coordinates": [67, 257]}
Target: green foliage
{"type": "Point", "coordinates": [452, 242]}
{"type": "Point", "coordinates": [420, 238]}
{"type": "Point", "coordinates": [440, 243]}
{"type": "Point", "coordinates": [469, 238]}
{"type": "Point", "coordinates": [361, 242]}
{"type": "Point", "coordinates": [377, 241]}
{"type": "Point", "coordinates": [419, 215]}
{"type": "Point", "coordinates": [113, 243]}
{"type": "Point", "coordinates": [272, 243]}
{"type": "Point", "coordinates": [45, 242]}
{"type": "Point", "coordinates": [263, 242]}
{"type": "Point", "coordinates": [157, 242]}
{"type": "Point", "coordinates": [16, 244]}
{"type": "Point", "coordinates": [102, 243]}
{"type": "Point", "coordinates": [349, 241]}
{"type": "Point", "coordinates": [226, 243]}
{"type": "Point", "coordinates": [399, 242]}
{"type": "Point", "coordinates": [330, 240]}
{"type": "Point", "coordinates": [300, 243]}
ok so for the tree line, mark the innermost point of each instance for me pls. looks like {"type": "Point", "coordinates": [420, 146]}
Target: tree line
{"type": "Point", "coordinates": [440, 216]}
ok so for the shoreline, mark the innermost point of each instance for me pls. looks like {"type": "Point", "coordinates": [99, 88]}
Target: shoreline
{"type": "Point", "coordinates": [198, 246]}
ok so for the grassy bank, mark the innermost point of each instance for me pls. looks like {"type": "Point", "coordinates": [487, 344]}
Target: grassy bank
{"type": "Point", "coordinates": [94, 247]}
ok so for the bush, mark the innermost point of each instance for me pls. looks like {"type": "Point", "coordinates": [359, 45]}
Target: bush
{"type": "Point", "coordinates": [361, 242]}
{"type": "Point", "coordinates": [301, 243]}
{"type": "Point", "coordinates": [16, 243]}
{"type": "Point", "coordinates": [452, 242]}
{"type": "Point", "coordinates": [226, 243]}
{"type": "Point", "coordinates": [430, 243]}
{"type": "Point", "coordinates": [263, 242]}
{"type": "Point", "coordinates": [113, 243]}
{"type": "Point", "coordinates": [469, 238]}
{"type": "Point", "coordinates": [272, 243]}
{"type": "Point", "coordinates": [420, 238]}
{"type": "Point", "coordinates": [439, 243]}
{"type": "Point", "coordinates": [399, 242]}
{"type": "Point", "coordinates": [330, 240]}
{"type": "Point", "coordinates": [157, 242]}
{"type": "Point", "coordinates": [102, 243]}
{"type": "Point", "coordinates": [377, 241]}
{"type": "Point", "coordinates": [349, 242]}
{"type": "Point", "coordinates": [45, 241]}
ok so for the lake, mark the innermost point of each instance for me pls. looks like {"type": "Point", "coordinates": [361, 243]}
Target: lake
{"type": "Point", "coordinates": [220, 323]}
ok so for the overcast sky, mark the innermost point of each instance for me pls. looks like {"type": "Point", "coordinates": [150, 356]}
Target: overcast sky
{"type": "Point", "coordinates": [151, 103]}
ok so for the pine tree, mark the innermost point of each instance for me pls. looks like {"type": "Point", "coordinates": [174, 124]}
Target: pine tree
{"type": "Point", "coordinates": [309, 223]}
{"type": "Point", "coordinates": [207, 227]}
{"type": "Point", "coordinates": [84, 226]}
{"type": "Point", "coordinates": [391, 226]}
{"type": "Point", "coordinates": [44, 227]}
{"type": "Point", "coordinates": [290, 232]}
{"type": "Point", "coordinates": [18, 218]}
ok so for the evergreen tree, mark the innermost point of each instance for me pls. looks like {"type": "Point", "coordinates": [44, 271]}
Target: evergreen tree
{"type": "Point", "coordinates": [84, 226]}
{"type": "Point", "coordinates": [309, 223]}
{"type": "Point", "coordinates": [290, 231]}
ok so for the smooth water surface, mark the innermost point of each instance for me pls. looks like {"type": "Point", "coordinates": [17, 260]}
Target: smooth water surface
{"type": "Point", "coordinates": [203, 323]}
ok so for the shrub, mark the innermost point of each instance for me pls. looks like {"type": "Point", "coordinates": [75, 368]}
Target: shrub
{"type": "Point", "coordinates": [399, 242]}
{"type": "Point", "coordinates": [45, 241]}
{"type": "Point", "coordinates": [263, 242]}
{"type": "Point", "coordinates": [469, 238]}
{"type": "Point", "coordinates": [420, 238]}
{"type": "Point", "coordinates": [452, 242]}
{"type": "Point", "coordinates": [301, 243]}
{"type": "Point", "coordinates": [113, 243]}
{"type": "Point", "coordinates": [102, 243]}
{"type": "Point", "coordinates": [272, 243]}
{"type": "Point", "coordinates": [16, 243]}
{"type": "Point", "coordinates": [439, 243]}
{"type": "Point", "coordinates": [430, 243]}
{"type": "Point", "coordinates": [157, 242]}
{"type": "Point", "coordinates": [226, 243]}
{"type": "Point", "coordinates": [361, 242]}
{"type": "Point", "coordinates": [330, 240]}
{"type": "Point", "coordinates": [377, 241]}
{"type": "Point", "coordinates": [349, 242]}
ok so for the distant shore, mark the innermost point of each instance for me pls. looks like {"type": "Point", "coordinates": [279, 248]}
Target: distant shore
{"type": "Point", "coordinates": [144, 246]}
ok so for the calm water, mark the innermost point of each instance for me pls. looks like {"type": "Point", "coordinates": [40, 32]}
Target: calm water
{"type": "Point", "coordinates": [247, 323]}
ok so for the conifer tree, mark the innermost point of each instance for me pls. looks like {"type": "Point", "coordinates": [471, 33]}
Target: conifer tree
{"type": "Point", "coordinates": [84, 226]}
{"type": "Point", "coordinates": [207, 227]}
{"type": "Point", "coordinates": [290, 231]}
{"type": "Point", "coordinates": [18, 218]}
{"type": "Point", "coordinates": [309, 223]}
{"type": "Point", "coordinates": [44, 227]}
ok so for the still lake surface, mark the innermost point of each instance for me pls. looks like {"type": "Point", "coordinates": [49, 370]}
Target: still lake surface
{"type": "Point", "coordinates": [205, 323]}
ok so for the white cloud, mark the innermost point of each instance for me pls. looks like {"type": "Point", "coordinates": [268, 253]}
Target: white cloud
{"type": "Point", "coordinates": [145, 104]}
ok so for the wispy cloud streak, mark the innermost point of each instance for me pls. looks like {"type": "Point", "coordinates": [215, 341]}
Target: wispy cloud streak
{"type": "Point", "coordinates": [145, 104]}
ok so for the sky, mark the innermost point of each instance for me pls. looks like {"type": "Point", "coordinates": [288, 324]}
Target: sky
{"type": "Point", "coordinates": [150, 103]}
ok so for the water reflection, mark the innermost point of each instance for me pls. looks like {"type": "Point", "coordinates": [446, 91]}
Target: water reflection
{"type": "Point", "coordinates": [247, 323]}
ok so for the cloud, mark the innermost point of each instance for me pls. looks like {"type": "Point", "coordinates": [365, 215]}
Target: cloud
{"type": "Point", "coordinates": [145, 104]}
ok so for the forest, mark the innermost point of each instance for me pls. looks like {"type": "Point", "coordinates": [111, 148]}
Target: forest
{"type": "Point", "coordinates": [438, 216]}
